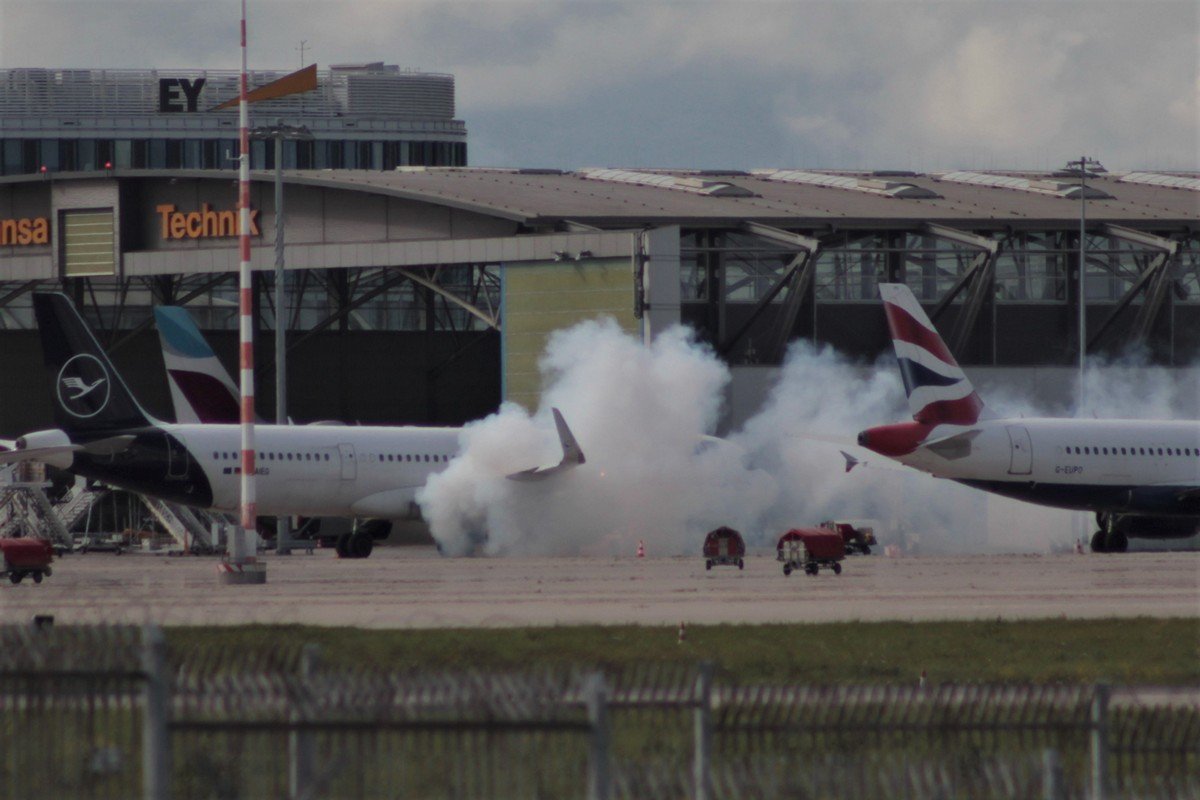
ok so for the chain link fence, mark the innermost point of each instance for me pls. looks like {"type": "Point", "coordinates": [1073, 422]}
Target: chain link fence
{"type": "Point", "coordinates": [107, 712]}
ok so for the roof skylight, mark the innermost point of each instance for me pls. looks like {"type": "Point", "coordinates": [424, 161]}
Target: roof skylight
{"type": "Point", "coordinates": [1159, 179]}
{"type": "Point", "coordinates": [886, 188]}
{"type": "Point", "coordinates": [1053, 187]}
{"type": "Point", "coordinates": [695, 185]}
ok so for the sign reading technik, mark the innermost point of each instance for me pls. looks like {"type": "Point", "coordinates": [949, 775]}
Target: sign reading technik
{"type": "Point", "coordinates": [203, 224]}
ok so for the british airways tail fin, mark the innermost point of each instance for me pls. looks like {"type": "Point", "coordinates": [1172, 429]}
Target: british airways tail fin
{"type": "Point", "coordinates": [201, 389]}
{"type": "Point", "coordinates": [88, 393]}
{"type": "Point", "coordinates": [937, 388]}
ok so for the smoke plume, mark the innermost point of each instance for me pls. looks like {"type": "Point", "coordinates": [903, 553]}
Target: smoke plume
{"type": "Point", "coordinates": [645, 415]}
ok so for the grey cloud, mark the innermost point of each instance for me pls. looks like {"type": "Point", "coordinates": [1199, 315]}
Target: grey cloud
{"type": "Point", "coordinates": [993, 83]}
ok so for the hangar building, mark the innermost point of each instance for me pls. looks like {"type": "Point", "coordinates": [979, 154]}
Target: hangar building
{"type": "Point", "coordinates": [424, 294]}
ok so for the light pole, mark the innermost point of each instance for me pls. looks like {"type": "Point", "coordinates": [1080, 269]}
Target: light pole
{"type": "Point", "coordinates": [279, 132]}
{"type": "Point", "coordinates": [1081, 168]}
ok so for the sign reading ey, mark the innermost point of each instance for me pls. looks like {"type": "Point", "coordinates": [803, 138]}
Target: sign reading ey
{"type": "Point", "coordinates": [203, 224]}
{"type": "Point", "coordinates": [33, 230]}
{"type": "Point", "coordinates": [170, 91]}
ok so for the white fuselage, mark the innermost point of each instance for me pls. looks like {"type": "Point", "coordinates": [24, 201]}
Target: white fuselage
{"type": "Point", "coordinates": [317, 470]}
{"type": "Point", "coordinates": [1061, 461]}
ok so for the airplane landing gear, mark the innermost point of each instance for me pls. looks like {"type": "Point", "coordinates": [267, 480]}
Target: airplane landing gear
{"type": "Point", "coordinates": [356, 544]}
{"type": "Point", "coordinates": [1108, 539]}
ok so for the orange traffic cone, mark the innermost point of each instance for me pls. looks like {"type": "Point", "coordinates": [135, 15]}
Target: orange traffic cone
{"type": "Point", "coordinates": [641, 551]}
{"type": "Point", "coordinates": [682, 632]}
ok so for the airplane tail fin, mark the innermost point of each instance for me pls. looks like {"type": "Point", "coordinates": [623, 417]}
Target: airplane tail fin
{"type": "Point", "coordinates": [88, 393]}
{"type": "Point", "coordinates": [201, 388]}
{"type": "Point", "coordinates": [937, 388]}
{"type": "Point", "coordinates": [572, 454]}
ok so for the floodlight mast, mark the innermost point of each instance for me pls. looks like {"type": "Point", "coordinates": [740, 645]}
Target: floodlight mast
{"type": "Point", "coordinates": [1082, 166]}
{"type": "Point", "coordinates": [279, 131]}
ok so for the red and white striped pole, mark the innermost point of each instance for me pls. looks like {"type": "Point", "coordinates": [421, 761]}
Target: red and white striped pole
{"type": "Point", "coordinates": [240, 554]}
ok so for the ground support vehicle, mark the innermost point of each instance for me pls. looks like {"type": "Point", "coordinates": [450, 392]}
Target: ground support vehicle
{"type": "Point", "coordinates": [856, 540]}
{"type": "Point", "coordinates": [810, 549]}
{"type": "Point", "coordinates": [724, 547]}
{"type": "Point", "coordinates": [21, 557]}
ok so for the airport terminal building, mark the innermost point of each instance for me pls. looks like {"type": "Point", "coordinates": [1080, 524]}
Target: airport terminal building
{"type": "Point", "coordinates": [423, 290]}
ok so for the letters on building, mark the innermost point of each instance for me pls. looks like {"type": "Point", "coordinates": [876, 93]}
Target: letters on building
{"type": "Point", "coordinates": [24, 231]}
{"type": "Point", "coordinates": [203, 224]}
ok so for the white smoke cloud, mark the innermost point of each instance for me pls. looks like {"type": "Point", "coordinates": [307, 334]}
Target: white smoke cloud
{"type": "Point", "coordinates": [644, 416]}
{"type": "Point", "coordinates": [641, 415]}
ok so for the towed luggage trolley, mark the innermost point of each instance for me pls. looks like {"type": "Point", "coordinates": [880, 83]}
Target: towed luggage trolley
{"type": "Point", "coordinates": [724, 547]}
{"type": "Point", "coordinates": [21, 557]}
{"type": "Point", "coordinates": [810, 549]}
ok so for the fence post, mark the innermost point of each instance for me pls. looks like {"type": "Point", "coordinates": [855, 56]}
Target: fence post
{"type": "Point", "coordinates": [1052, 775]}
{"type": "Point", "coordinates": [301, 751]}
{"type": "Point", "coordinates": [702, 764]}
{"type": "Point", "coordinates": [156, 741]}
{"type": "Point", "coordinates": [1099, 741]}
{"type": "Point", "coordinates": [599, 780]}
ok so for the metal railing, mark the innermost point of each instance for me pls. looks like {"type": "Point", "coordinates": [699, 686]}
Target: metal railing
{"type": "Point", "coordinates": [104, 712]}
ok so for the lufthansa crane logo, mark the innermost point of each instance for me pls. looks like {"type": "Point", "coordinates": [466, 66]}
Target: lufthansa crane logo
{"type": "Point", "coordinates": [83, 386]}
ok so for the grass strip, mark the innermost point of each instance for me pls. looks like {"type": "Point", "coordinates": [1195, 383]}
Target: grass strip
{"type": "Point", "coordinates": [1130, 651]}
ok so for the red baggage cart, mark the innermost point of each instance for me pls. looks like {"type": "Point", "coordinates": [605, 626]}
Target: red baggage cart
{"type": "Point", "coordinates": [724, 547]}
{"type": "Point", "coordinates": [21, 557]}
{"type": "Point", "coordinates": [810, 549]}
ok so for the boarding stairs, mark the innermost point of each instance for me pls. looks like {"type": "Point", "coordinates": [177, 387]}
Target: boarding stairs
{"type": "Point", "coordinates": [76, 504]}
{"type": "Point", "coordinates": [183, 524]}
{"type": "Point", "coordinates": [30, 513]}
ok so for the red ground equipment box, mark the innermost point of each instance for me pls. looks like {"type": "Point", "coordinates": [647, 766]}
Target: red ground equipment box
{"type": "Point", "coordinates": [810, 549]}
{"type": "Point", "coordinates": [857, 540]}
{"type": "Point", "coordinates": [21, 557]}
{"type": "Point", "coordinates": [724, 547]}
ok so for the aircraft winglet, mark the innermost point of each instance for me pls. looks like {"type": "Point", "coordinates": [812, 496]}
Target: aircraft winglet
{"type": "Point", "coordinates": [572, 454]}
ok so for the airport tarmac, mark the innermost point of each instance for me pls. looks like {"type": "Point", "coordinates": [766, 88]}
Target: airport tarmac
{"type": "Point", "coordinates": [413, 587]}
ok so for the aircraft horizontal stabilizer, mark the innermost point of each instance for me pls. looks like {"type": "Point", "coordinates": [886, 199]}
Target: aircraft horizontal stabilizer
{"type": "Point", "coordinates": [851, 461]}
{"type": "Point", "coordinates": [952, 447]}
{"type": "Point", "coordinates": [572, 454]}
{"type": "Point", "coordinates": [110, 446]}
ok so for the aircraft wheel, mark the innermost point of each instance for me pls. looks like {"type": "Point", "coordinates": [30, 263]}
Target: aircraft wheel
{"type": "Point", "coordinates": [361, 545]}
{"type": "Point", "coordinates": [342, 546]}
{"type": "Point", "coordinates": [1098, 542]}
{"type": "Point", "coordinates": [37, 577]}
{"type": "Point", "coordinates": [1116, 542]}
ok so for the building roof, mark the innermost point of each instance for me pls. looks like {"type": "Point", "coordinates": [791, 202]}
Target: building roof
{"type": "Point", "coordinates": [616, 198]}
{"type": "Point", "coordinates": [786, 198]}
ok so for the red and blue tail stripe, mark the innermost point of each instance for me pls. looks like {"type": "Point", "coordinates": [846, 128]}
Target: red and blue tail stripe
{"type": "Point", "coordinates": [937, 388]}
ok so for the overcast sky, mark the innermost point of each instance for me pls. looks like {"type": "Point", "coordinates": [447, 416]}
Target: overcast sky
{"type": "Point", "coordinates": [892, 84]}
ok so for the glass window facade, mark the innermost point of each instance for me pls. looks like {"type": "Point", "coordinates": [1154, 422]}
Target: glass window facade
{"type": "Point", "coordinates": [27, 156]}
